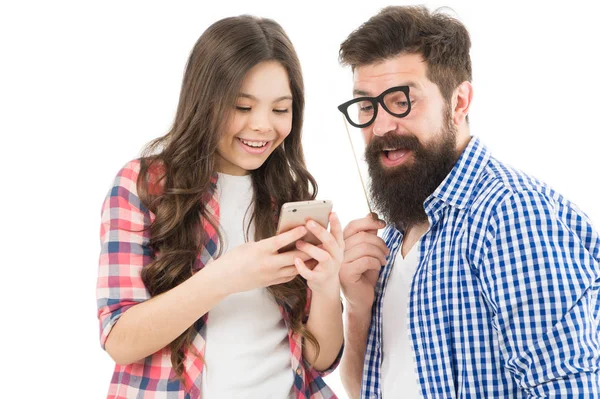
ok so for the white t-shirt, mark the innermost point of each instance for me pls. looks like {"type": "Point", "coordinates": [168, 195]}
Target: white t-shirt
{"type": "Point", "coordinates": [398, 376]}
{"type": "Point", "coordinates": [247, 349]}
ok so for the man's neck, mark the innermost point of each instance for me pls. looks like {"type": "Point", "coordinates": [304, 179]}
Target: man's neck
{"type": "Point", "coordinates": [413, 233]}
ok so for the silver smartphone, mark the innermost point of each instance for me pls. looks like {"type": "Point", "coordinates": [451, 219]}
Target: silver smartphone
{"type": "Point", "coordinates": [294, 214]}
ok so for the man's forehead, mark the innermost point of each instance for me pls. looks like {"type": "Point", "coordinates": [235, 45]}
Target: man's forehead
{"type": "Point", "coordinates": [406, 69]}
{"type": "Point", "coordinates": [401, 62]}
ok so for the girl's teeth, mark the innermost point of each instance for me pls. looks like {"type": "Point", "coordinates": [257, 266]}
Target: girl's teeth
{"type": "Point", "coordinates": [256, 144]}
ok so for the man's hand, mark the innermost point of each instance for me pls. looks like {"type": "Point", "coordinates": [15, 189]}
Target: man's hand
{"type": "Point", "coordinates": [364, 256]}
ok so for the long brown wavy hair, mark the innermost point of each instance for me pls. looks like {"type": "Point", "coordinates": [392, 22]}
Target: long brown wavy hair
{"type": "Point", "coordinates": [216, 68]}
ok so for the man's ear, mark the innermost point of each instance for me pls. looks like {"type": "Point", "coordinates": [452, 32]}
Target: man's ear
{"type": "Point", "coordinates": [461, 102]}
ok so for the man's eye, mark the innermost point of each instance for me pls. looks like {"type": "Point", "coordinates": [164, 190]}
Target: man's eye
{"type": "Point", "coordinates": [366, 108]}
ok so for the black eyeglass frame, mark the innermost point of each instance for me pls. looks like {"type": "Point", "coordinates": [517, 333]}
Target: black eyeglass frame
{"type": "Point", "coordinates": [374, 101]}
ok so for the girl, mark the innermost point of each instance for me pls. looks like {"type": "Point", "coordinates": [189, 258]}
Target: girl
{"type": "Point", "coordinates": [194, 299]}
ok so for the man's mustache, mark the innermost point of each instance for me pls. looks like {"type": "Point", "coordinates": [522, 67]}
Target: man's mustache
{"type": "Point", "coordinates": [391, 140]}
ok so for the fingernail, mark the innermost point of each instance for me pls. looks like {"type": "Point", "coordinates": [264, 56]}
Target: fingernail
{"type": "Point", "coordinates": [311, 224]}
{"type": "Point", "coordinates": [299, 244]}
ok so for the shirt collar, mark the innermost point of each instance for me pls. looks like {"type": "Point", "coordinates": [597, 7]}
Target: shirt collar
{"type": "Point", "coordinates": [457, 188]}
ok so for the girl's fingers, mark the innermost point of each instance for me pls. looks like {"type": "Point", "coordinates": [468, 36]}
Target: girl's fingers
{"type": "Point", "coordinates": [287, 271]}
{"type": "Point", "coordinates": [281, 240]}
{"type": "Point", "coordinates": [283, 280]}
{"type": "Point", "coordinates": [303, 270]}
{"type": "Point", "coordinates": [336, 229]}
{"type": "Point", "coordinates": [311, 263]}
{"type": "Point", "coordinates": [327, 239]}
{"type": "Point", "coordinates": [313, 251]}
{"type": "Point", "coordinates": [287, 258]}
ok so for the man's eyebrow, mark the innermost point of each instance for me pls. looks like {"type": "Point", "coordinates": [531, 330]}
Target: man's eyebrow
{"type": "Point", "coordinates": [251, 97]}
{"type": "Point", "coordinates": [362, 93]}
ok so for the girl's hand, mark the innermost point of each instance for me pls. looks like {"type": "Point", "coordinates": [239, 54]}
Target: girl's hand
{"type": "Point", "coordinates": [258, 264]}
{"type": "Point", "coordinates": [323, 277]}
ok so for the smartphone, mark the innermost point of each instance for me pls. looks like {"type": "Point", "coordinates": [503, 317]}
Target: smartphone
{"type": "Point", "coordinates": [294, 214]}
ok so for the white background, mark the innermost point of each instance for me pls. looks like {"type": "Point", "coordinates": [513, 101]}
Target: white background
{"type": "Point", "coordinates": [84, 85]}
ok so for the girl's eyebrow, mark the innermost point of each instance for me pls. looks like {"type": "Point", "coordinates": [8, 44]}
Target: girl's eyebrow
{"type": "Point", "coordinates": [251, 97]}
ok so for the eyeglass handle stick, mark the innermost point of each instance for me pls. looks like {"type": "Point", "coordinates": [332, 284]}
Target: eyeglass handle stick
{"type": "Point", "coordinates": [362, 183]}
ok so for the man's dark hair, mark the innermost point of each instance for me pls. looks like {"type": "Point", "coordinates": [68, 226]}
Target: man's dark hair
{"type": "Point", "coordinates": [441, 40]}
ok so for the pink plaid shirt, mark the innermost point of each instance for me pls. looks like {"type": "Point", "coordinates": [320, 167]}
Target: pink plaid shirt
{"type": "Point", "coordinates": [124, 253]}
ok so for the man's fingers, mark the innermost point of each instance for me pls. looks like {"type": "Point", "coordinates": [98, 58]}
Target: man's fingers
{"type": "Point", "coordinates": [365, 249]}
{"type": "Point", "coordinates": [363, 224]}
{"type": "Point", "coordinates": [361, 265]}
{"type": "Point", "coordinates": [366, 238]}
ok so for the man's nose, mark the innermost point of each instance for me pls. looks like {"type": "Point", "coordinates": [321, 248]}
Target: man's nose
{"type": "Point", "coordinates": [384, 122]}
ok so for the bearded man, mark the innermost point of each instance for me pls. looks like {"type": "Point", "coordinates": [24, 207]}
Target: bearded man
{"type": "Point", "coordinates": [485, 281]}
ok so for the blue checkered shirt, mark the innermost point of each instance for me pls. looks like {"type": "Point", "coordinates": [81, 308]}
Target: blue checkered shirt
{"type": "Point", "coordinates": [504, 302]}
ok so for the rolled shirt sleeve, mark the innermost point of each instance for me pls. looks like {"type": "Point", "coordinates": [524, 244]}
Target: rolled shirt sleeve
{"type": "Point", "coordinates": [124, 237]}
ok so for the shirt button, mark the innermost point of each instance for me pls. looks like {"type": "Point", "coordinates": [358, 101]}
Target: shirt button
{"type": "Point", "coordinates": [299, 370]}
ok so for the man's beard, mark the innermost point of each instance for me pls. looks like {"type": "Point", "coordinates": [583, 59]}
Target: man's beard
{"type": "Point", "coordinates": [399, 192]}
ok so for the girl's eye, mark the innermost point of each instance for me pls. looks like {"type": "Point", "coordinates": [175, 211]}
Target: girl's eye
{"type": "Point", "coordinates": [281, 111]}
{"type": "Point", "coordinates": [242, 109]}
